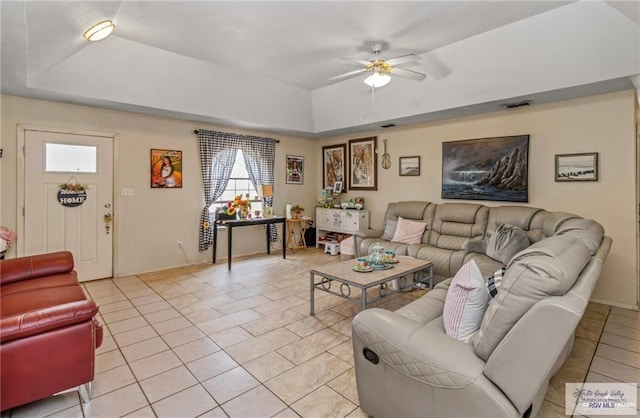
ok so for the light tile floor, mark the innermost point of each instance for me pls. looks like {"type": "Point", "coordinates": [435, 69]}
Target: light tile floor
{"type": "Point", "coordinates": [203, 341]}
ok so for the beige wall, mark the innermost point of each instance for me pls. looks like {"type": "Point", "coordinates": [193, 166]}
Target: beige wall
{"type": "Point", "coordinates": [603, 124]}
{"type": "Point", "coordinates": [149, 224]}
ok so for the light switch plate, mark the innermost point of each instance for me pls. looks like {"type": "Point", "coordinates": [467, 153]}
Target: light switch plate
{"type": "Point", "coordinates": [127, 192]}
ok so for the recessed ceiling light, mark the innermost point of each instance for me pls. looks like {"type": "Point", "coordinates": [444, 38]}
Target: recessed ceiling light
{"type": "Point", "coordinates": [99, 31]}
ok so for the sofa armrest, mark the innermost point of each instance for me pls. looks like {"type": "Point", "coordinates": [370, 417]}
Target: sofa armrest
{"type": "Point", "coordinates": [532, 348]}
{"type": "Point", "coordinates": [35, 322]}
{"type": "Point", "coordinates": [31, 267]}
{"type": "Point", "coordinates": [420, 352]}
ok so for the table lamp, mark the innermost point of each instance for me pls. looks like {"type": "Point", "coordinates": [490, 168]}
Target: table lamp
{"type": "Point", "coordinates": [266, 192]}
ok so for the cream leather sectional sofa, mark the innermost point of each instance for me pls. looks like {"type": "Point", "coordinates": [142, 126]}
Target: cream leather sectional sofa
{"type": "Point", "coordinates": [406, 364]}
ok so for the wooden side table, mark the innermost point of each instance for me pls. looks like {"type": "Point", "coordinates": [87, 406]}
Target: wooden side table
{"type": "Point", "coordinates": [300, 225]}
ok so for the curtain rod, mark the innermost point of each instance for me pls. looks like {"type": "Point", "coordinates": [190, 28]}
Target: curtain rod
{"type": "Point", "coordinates": [197, 131]}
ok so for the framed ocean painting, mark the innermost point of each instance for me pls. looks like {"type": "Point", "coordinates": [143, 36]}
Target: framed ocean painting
{"type": "Point", "coordinates": [486, 169]}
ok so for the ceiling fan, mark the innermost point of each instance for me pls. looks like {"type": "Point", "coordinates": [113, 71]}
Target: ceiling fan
{"type": "Point", "coordinates": [380, 69]}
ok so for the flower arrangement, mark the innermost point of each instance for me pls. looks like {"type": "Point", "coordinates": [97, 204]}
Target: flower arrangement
{"type": "Point", "coordinates": [239, 205]}
{"type": "Point", "coordinates": [7, 238]}
{"type": "Point", "coordinates": [297, 211]}
{"type": "Point", "coordinates": [73, 187]}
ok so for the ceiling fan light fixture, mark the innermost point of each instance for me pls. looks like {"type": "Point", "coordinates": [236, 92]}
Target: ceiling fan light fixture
{"type": "Point", "coordinates": [377, 79]}
{"type": "Point", "coordinates": [99, 31]}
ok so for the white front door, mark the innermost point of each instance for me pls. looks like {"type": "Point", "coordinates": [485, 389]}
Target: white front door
{"type": "Point", "coordinates": [50, 222]}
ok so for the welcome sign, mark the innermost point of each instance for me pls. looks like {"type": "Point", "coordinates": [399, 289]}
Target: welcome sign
{"type": "Point", "coordinates": [71, 198]}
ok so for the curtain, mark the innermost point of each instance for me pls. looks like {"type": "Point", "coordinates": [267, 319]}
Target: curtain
{"type": "Point", "coordinates": [259, 158]}
{"type": "Point", "coordinates": [217, 156]}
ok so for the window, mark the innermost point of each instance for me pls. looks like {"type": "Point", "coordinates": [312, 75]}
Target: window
{"type": "Point", "coordinates": [70, 158]}
{"type": "Point", "coordinates": [239, 183]}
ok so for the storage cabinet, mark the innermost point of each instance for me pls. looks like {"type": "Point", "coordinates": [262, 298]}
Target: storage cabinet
{"type": "Point", "coordinates": [336, 224]}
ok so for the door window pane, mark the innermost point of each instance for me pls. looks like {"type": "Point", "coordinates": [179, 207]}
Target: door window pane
{"type": "Point", "coordinates": [70, 158]}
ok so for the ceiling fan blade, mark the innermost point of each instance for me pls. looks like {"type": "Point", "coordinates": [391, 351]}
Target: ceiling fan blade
{"type": "Point", "coordinates": [404, 59]}
{"type": "Point", "coordinates": [347, 75]}
{"type": "Point", "coordinates": [413, 75]}
{"type": "Point", "coordinates": [357, 61]}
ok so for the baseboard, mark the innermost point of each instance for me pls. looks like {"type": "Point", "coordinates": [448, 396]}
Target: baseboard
{"type": "Point", "coordinates": [616, 304]}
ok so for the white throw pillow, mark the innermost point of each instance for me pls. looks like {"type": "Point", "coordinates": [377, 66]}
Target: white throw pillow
{"type": "Point", "coordinates": [409, 232]}
{"type": "Point", "coordinates": [465, 302]}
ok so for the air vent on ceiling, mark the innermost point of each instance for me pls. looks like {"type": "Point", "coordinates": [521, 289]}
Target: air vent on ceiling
{"type": "Point", "coordinates": [388, 125]}
{"type": "Point", "coordinates": [516, 105]}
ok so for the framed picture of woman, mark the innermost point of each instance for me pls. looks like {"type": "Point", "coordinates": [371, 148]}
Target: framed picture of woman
{"type": "Point", "coordinates": [333, 164]}
{"type": "Point", "coordinates": [295, 169]}
{"type": "Point", "coordinates": [166, 169]}
{"type": "Point", "coordinates": [363, 163]}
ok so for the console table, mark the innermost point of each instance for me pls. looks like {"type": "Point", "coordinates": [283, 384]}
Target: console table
{"type": "Point", "coordinates": [230, 224]}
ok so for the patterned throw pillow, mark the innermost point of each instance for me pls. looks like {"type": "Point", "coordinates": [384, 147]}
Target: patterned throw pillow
{"type": "Point", "coordinates": [465, 303]}
{"type": "Point", "coordinates": [493, 282]}
{"type": "Point", "coordinates": [409, 232]}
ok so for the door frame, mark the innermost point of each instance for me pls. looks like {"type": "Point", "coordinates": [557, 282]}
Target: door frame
{"type": "Point", "coordinates": [21, 174]}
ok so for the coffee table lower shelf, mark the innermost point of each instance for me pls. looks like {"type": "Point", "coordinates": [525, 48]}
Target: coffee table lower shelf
{"type": "Point", "coordinates": [343, 274]}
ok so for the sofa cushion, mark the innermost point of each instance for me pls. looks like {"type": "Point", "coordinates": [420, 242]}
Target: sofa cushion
{"type": "Point", "coordinates": [505, 242]}
{"type": "Point", "coordinates": [409, 232]}
{"type": "Point", "coordinates": [465, 303]}
{"type": "Point", "coordinates": [389, 229]}
{"type": "Point", "coordinates": [547, 268]}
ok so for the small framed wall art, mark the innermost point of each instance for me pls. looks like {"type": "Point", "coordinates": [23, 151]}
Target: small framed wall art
{"type": "Point", "coordinates": [363, 164]}
{"type": "Point", "coordinates": [166, 169]}
{"type": "Point", "coordinates": [410, 166]}
{"type": "Point", "coordinates": [295, 169]}
{"type": "Point", "coordinates": [333, 164]}
{"type": "Point", "coordinates": [577, 167]}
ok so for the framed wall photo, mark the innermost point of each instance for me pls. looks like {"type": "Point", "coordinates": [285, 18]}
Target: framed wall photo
{"type": "Point", "coordinates": [166, 169]}
{"type": "Point", "coordinates": [410, 166]}
{"type": "Point", "coordinates": [295, 169]}
{"type": "Point", "coordinates": [333, 164]}
{"type": "Point", "coordinates": [337, 187]}
{"type": "Point", "coordinates": [577, 167]}
{"type": "Point", "coordinates": [363, 164]}
{"type": "Point", "coordinates": [486, 169]}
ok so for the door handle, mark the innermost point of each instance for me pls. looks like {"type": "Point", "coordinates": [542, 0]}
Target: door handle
{"type": "Point", "coordinates": [107, 221]}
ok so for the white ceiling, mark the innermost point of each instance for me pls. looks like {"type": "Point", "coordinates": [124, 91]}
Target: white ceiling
{"type": "Point", "coordinates": [265, 64]}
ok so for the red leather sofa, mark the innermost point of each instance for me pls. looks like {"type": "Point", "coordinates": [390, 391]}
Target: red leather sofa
{"type": "Point", "coordinates": [48, 330]}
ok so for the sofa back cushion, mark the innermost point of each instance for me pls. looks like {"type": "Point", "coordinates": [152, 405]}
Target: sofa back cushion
{"type": "Point", "coordinates": [519, 216]}
{"type": "Point", "coordinates": [456, 223]}
{"type": "Point", "coordinates": [545, 224]}
{"type": "Point", "coordinates": [412, 210]}
{"type": "Point", "coordinates": [588, 231]}
{"type": "Point", "coordinates": [549, 267]}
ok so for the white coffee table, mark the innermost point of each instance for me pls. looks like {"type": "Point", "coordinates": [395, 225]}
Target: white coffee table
{"type": "Point", "coordinates": [344, 274]}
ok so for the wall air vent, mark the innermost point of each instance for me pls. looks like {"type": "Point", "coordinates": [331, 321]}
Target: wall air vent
{"type": "Point", "coordinates": [388, 125]}
{"type": "Point", "coordinates": [516, 105]}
